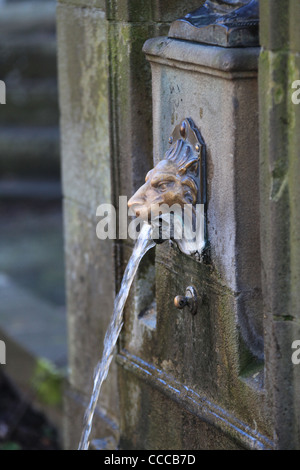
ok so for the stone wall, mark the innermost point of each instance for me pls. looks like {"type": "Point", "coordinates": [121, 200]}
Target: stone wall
{"type": "Point", "coordinates": [106, 124]}
{"type": "Point", "coordinates": [280, 216]}
{"type": "Point", "coordinates": [84, 87]}
{"type": "Point", "coordinates": [106, 127]}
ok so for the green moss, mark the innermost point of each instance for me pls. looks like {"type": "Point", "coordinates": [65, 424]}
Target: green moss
{"type": "Point", "coordinates": [47, 383]}
{"type": "Point", "coordinates": [293, 75]}
{"type": "Point", "coordinates": [293, 68]}
{"type": "Point", "coordinates": [279, 93]}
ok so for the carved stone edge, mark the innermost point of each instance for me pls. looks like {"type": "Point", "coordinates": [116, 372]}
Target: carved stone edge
{"type": "Point", "coordinates": [214, 60]}
{"type": "Point", "coordinates": [195, 403]}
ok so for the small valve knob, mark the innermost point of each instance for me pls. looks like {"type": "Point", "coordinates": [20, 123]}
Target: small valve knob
{"type": "Point", "coordinates": [180, 301]}
{"type": "Point", "coordinates": [190, 300]}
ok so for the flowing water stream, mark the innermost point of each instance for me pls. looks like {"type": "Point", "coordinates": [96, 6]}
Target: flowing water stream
{"type": "Point", "coordinates": [143, 244]}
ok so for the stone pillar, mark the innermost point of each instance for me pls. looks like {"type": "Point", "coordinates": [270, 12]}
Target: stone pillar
{"type": "Point", "coordinates": [280, 215]}
{"type": "Point", "coordinates": [85, 146]}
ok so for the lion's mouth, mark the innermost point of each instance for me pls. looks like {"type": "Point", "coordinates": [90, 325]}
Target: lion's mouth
{"type": "Point", "coordinates": [139, 210]}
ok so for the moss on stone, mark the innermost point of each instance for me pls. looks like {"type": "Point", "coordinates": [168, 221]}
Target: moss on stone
{"type": "Point", "coordinates": [47, 382]}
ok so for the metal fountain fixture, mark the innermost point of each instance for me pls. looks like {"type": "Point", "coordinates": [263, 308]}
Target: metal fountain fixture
{"type": "Point", "coordinates": [176, 183]}
{"type": "Point", "coordinates": [174, 193]}
{"type": "Point", "coordinates": [226, 23]}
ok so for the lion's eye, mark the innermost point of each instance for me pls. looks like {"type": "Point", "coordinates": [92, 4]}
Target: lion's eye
{"type": "Point", "coordinates": [163, 186]}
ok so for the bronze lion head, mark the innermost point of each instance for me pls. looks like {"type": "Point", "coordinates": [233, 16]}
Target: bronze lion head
{"type": "Point", "coordinates": [178, 180]}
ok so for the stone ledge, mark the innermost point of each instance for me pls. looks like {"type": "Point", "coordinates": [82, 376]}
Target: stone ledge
{"type": "Point", "coordinates": [234, 62]}
{"type": "Point", "coordinates": [197, 404]}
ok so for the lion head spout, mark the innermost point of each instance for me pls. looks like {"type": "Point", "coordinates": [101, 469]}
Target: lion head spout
{"type": "Point", "coordinates": [175, 182]}
{"type": "Point", "coordinates": [171, 181]}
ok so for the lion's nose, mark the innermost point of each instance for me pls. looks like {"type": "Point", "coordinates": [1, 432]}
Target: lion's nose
{"type": "Point", "coordinates": [135, 204]}
{"type": "Point", "coordinates": [133, 201]}
{"type": "Point", "coordinates": [138, 199]}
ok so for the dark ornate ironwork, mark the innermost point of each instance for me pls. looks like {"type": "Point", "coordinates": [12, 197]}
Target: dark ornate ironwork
{"type": "Point", "coordinates": [226, 23]}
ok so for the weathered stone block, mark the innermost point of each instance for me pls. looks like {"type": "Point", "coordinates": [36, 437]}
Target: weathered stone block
{"type": "Point", "coordinates": [101, 4]}
{"type": "Point", "coordinates": [214, 354]}
{"type": "Point", "coordinates": [274, 29]}
{"type": "Point", "coordinates": [149, 10]}
{"type": "Point", "coordinates": [166, 11]}
{"type": "Point", "coordinates": [153, 421]}
{"type": "Point", "coordinates": [294, 21]}
{"type": "Point", "coordinates": [131, 106]}
{"type": "Point", "coordinates": [218, 90]}
{"type": "Point", "coordinates": [83, 82]}
{"type": "Point", "coordinates": [279, 193]}
{"type": "Point", "coordinates": [281, 367]}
